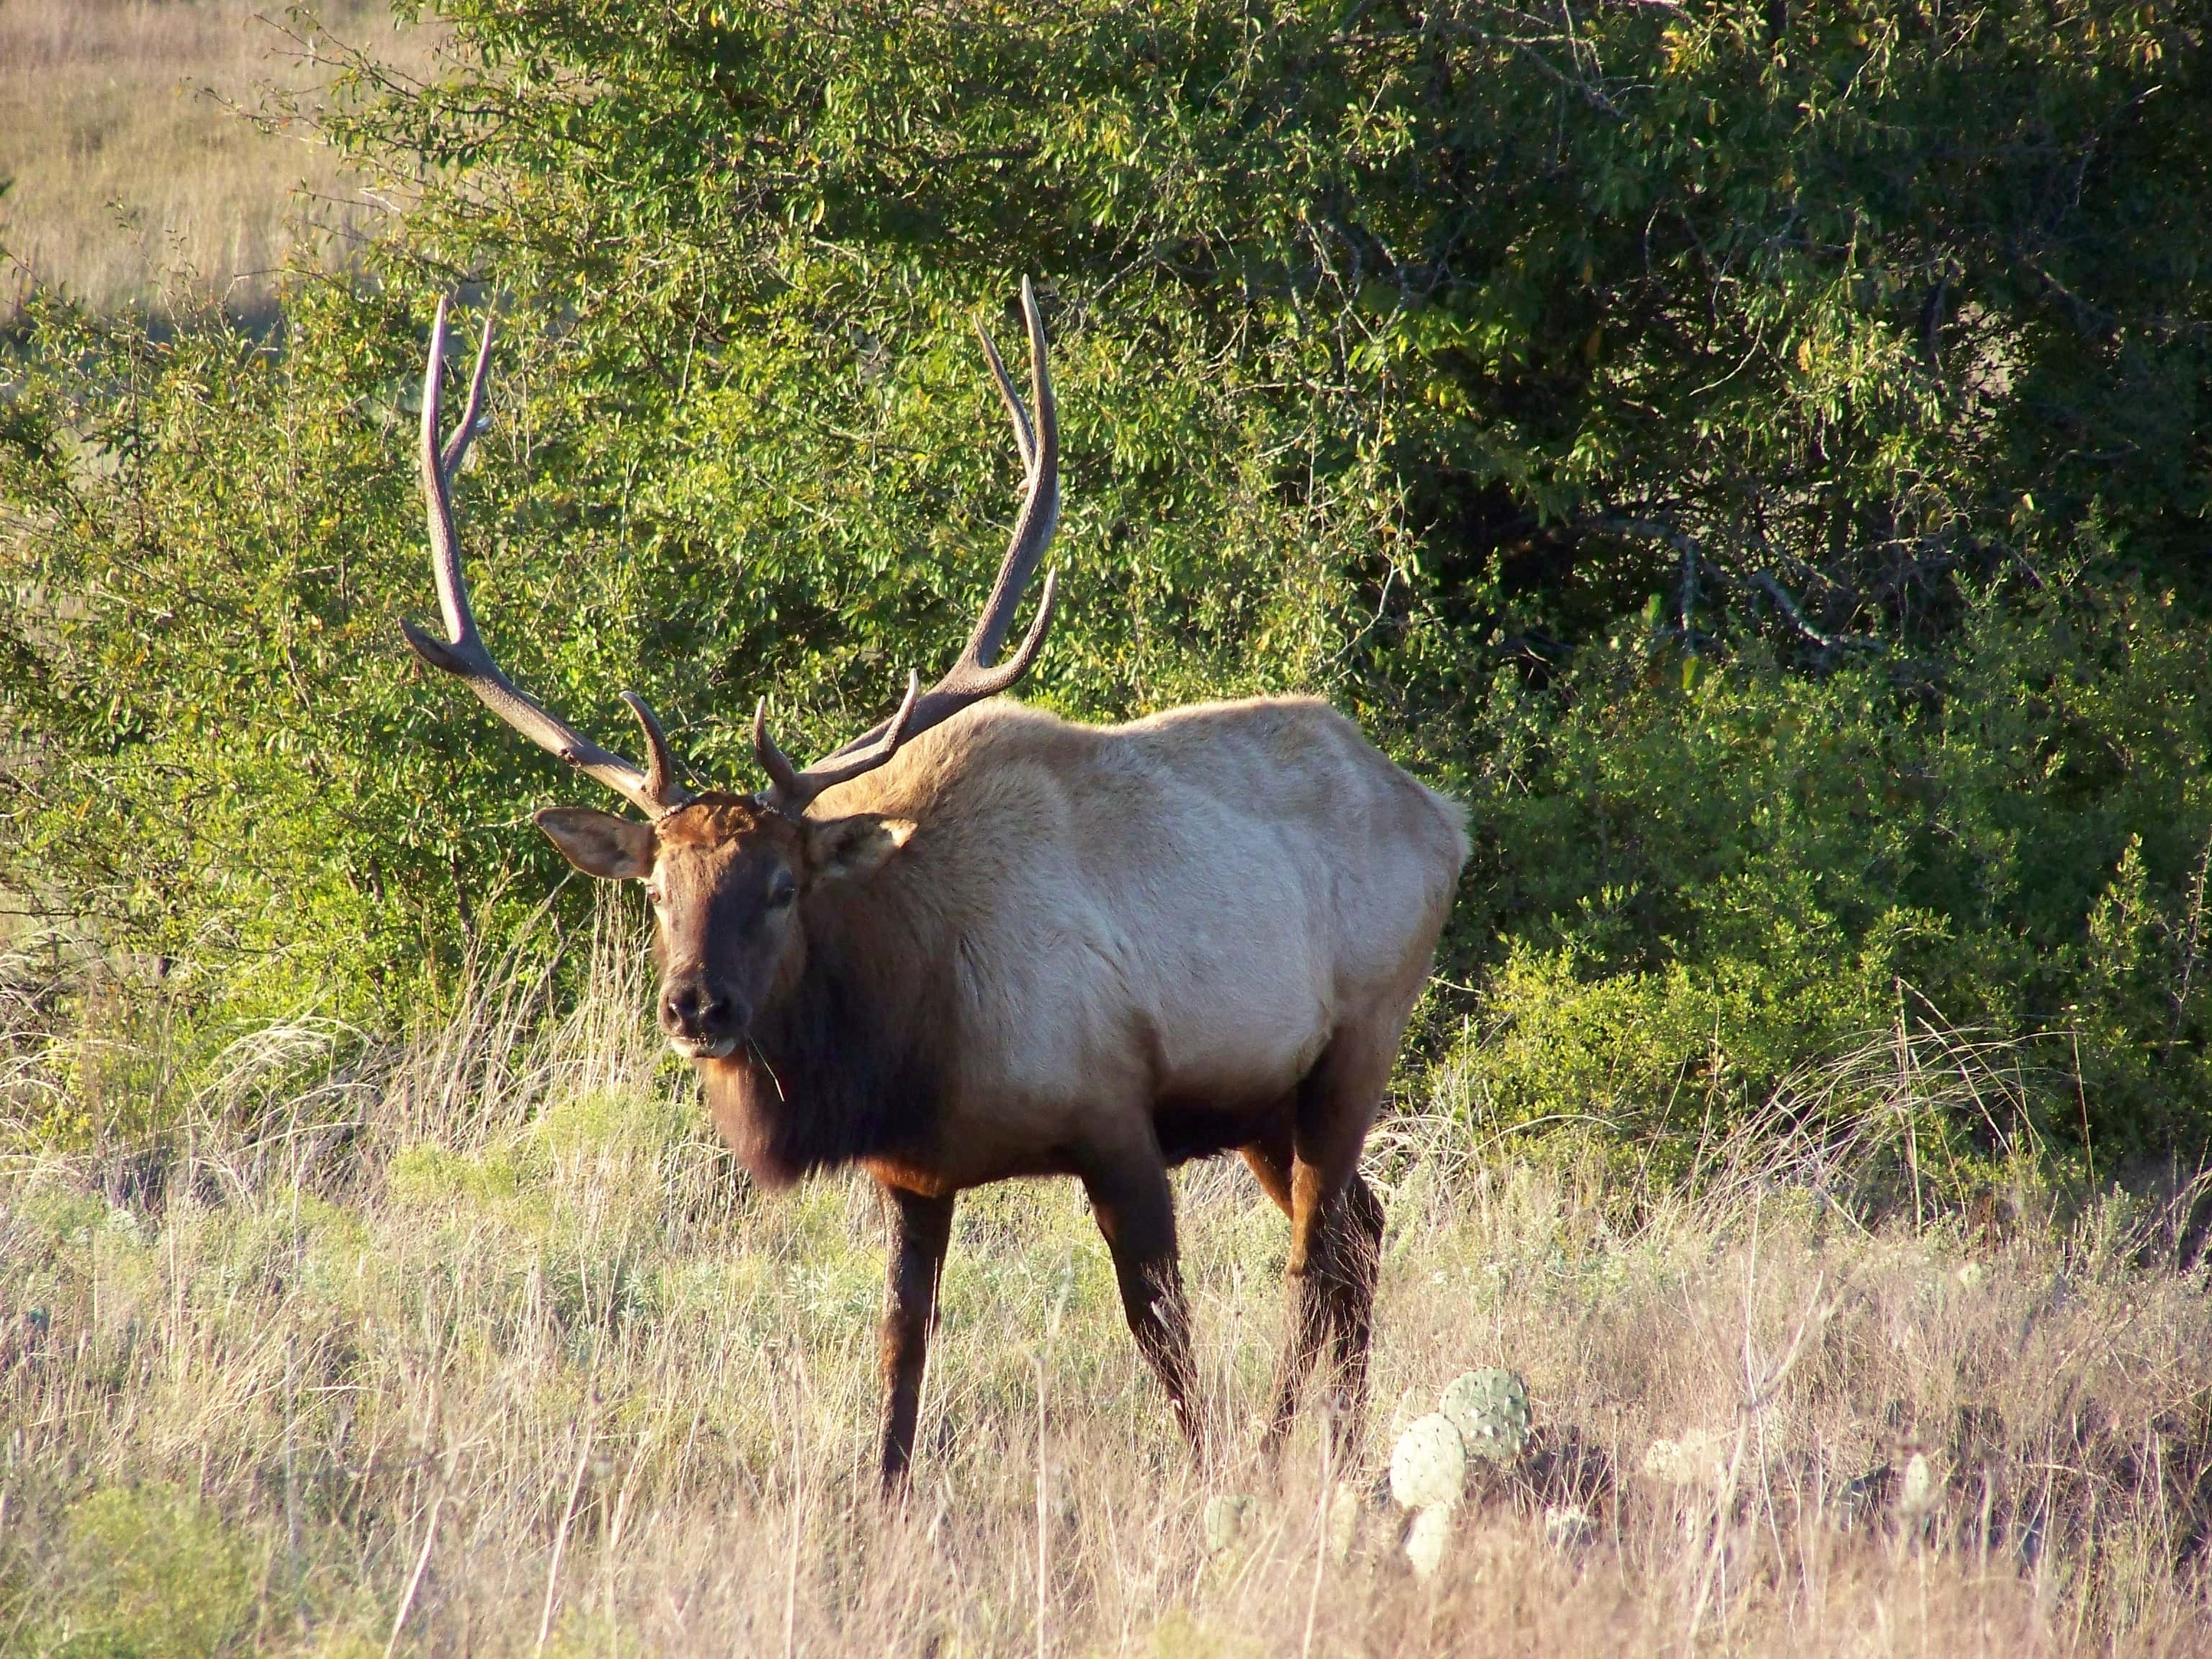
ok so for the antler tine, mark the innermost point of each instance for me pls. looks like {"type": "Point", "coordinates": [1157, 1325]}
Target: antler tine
{"type": "Point", "coordinates": [457, 447]}
{"type": "Point", "coordinates": [792, 790]}
{"type": "Point", "coordinates": [972, 677]}
{"type": "Point", "coordinates": [786, 785]}
{"type": "Point", "coordinates": [1025, 439]}
{"type": "Point", "coordinates": [464, 653]}
{"type": "Point", "coordinates": [1040, 514]}
{"type": "Point", "coordinates": [659, 761]}
{"type": "Point", "coordinates": [978, 683]}
{"type": "Point", "coordinates": [445, 544]}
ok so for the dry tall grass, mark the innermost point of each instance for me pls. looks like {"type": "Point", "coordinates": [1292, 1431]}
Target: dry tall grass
{"type": "Point", "coordinates": [136, 183]}
{"type": "Point", "coordinates": [473, 1345]}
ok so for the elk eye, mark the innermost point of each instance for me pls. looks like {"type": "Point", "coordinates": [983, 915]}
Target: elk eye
{"type": "Point", "coordinates": [781, 890]}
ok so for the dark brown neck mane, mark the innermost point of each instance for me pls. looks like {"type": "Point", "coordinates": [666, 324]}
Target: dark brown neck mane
{"type": "Point", "coordinates": [842, 1067]}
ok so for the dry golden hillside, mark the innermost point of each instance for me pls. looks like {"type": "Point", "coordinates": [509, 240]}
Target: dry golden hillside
{"type": "Point", "coordinates": [136, 177]}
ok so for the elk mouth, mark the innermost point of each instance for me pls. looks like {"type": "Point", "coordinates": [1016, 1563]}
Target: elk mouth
{"type": "Point", "coordinates": [704, 1047]}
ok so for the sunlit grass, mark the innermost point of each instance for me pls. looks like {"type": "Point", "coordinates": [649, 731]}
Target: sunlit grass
{"type": "Point", "coordinates": [480, 1336]}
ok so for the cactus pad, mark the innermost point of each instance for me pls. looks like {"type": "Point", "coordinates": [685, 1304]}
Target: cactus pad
{"type": "Point", "coordinates": [1427, 1538]}
{"type": "Point", "coordinates": [1490, 1408]}
{"type": "Point", "coordinates": [1225, 1520]}
{"type": "Point", "coordinates": [1428, 1465]}
{"type": "Point", "coordinates": [1918, 1491]}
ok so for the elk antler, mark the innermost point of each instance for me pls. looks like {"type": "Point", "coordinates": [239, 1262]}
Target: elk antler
{"type": "Point", "coordinates": [655, 790]}
{"type": "Point", "coordinates": [971, 679]}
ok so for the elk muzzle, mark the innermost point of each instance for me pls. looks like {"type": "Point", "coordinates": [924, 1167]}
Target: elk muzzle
{"type": "Point", "coordinates": [702, 1020]}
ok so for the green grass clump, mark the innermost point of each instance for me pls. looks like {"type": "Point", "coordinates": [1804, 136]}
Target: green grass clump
{"type": "Point", "coordinates": [146, 1573]}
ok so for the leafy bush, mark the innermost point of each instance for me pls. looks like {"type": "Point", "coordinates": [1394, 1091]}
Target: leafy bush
{"type": "Point", "coordinates": [1686, 895]}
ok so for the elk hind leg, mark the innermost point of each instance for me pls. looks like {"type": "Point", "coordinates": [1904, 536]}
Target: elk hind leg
{"type": "Point", "coordinates": [1356, 1260]}
{"type": "Point", "coordinates": [1135, 1208]}
{"type": "Point", "coordinates": [1271, 1162]}
{"type": "Point", "coordinates": [920, 1233]}
{"type": "Point", "coordinates": [1336, 1228]}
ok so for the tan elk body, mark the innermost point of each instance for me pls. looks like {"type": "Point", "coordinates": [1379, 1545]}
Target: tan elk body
{"type": "Point", "coordinates": [981, 942]}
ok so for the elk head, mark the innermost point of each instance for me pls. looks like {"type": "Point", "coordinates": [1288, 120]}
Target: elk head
{"type": "Point", "coordinates": [729, 874]}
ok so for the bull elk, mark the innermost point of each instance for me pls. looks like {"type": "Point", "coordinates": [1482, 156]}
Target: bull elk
{"type": "Point", "coordinates": [979, 942]}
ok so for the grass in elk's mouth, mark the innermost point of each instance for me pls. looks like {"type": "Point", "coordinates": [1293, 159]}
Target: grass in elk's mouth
{"type": "Point", "coordinates": [475, 1344]}
{"type": "Point", "coordinates": [135, 184]}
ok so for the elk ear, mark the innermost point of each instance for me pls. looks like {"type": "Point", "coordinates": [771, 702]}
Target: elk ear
{"type": "Point", "coordinates": [845, 848]}
{"type": "Point", "coordinates": [600, 843]}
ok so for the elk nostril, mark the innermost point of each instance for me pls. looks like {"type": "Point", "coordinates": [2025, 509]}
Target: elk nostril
{"type": "Point", "coordinates": [694, 1009]}
{"type": "Point", "coordinates": [722, 1015]}
{"type": "Point", "coordinates": [680, 1007]}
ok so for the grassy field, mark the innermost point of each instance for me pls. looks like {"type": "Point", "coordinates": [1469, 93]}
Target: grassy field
{"type": "Point", "coordinates": [137, 183]}
{"type": "Point", "coordinates": [474, 1344]}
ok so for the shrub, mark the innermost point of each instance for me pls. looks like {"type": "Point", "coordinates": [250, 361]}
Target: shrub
{"type": "Point", "coordinates": [1685, 896]}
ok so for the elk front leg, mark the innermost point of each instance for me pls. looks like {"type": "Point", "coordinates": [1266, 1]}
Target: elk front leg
{"type": "Point", "coordinates": [920, 1232]}
{"type": "Point", "coordinates": [1135, 1211]}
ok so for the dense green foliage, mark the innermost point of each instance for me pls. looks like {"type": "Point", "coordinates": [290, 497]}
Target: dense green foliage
{"type": "Point", "coordinates": [1756, 453]}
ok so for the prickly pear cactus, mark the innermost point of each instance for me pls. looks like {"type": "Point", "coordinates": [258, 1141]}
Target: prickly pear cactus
{"type": "Point", "coordinates": [1428, 1465]}
{"type": "Point", "coordinates": [1490, 1409]}
{"type": "Point", "coordinates": [1427, 1538]}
